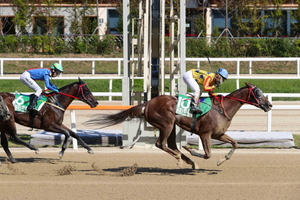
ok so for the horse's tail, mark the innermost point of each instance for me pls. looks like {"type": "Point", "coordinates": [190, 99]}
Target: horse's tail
{"type": "Point", "coordinates": [113, 119]}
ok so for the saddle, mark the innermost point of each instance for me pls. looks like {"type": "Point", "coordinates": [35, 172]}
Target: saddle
{"type": "Point", "coordinates": [21, 102]}
{"type": "Point", "coordinates": [184, 102]}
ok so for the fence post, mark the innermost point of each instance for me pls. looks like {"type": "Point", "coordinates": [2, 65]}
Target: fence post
{"type": "Point", "coordinates": [93, 67]}
{"type": "Point", "coordinates": [73, 128]}
{"type": "Point", "coordinates": [110, 88]}
{"type": "Point", "coordinates": [269, 120]}
{"type": "Point", "coordinates": [1, 67]}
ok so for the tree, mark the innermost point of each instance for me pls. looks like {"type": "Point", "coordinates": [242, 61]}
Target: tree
{"type": "Point", "coordinates": [296, 20]}
{"type": "Point", "coordinates": [80, 24]}
{"type": "Point", "coordinates": [275, 19]}
{"type": "Point", "coordinates": [247, 18]}
{"type": "Point", "coordinates": [23, 11]}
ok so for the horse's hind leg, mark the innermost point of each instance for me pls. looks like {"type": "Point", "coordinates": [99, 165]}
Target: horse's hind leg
{"type": "Point", "coordinates": [172, 145]}
{"type": "Point", "coordinates": [163, 139]}
{"type": "Point", "coordinates": [4, 143]}
{"type": "Point", "coordinates": [227, 139]}
{"type": "Point", "coordinates": [67, 132]}
{"type": "Point", "coordinates": [4, 111]}
{"type": "Point", "coordinates": [10, 129]}
{"type": "Point", "coordinates": [74, 135]}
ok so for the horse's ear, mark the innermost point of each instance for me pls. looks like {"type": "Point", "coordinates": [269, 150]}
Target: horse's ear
{"type": "Point", "coordinates": [248, 84]}
{"type": "Point", "coordinates": [80, 81]}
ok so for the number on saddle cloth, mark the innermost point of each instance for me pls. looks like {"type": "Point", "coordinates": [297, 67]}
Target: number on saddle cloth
{"type": "Point", "coordinates": [22, 101]}
{"type": "Point", "coordinates": [184, 102]}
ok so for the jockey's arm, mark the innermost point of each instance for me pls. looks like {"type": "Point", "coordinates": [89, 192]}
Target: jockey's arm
{"type": "Point", "coordinates": [209, 88]}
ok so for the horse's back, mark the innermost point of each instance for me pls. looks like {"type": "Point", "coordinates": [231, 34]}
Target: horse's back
{"type": "Point", "coordinates": [160, 104]}
{"type": "Point", "coordinates": [7, 96]}
{"type": "Point", "coordinates": [162, 100]}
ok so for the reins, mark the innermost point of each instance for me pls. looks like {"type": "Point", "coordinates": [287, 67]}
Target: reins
{"type": "Point", "coordinates": [80, 91]}
{"type": "Point", "coordinates": [247, 101]}
{"type": "Point", "coordinates": [220, 99]}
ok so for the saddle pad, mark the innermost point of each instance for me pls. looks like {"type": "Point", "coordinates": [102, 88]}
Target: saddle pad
{"type": "Point", "coordinates": [21, 102]}
{"type": "Point", "coordinates": [184, 102]}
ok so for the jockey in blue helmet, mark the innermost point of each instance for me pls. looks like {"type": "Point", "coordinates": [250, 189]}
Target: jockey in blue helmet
{"type": "Point", "coordinates": [195, 77]}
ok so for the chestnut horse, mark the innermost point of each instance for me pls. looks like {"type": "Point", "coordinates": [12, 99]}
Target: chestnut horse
{"type": "Point", "coordinates": [48, 118]}
{"type": "Point", "coordinates": [160, 113]}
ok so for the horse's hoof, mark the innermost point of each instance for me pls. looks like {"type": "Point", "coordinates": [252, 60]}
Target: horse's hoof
{"type": "Point", "coordinates": [195, 166]}
{"type": "Point", "coordinates": [61, 154]}
{"type": "Point", "coordinates": [187, 147]}
{"type": "Point", "coordinates": [12, 160]}
{"type": "Point", "coordinates": [37, 151]}
{"type": "Point", "coordinates": [221, 161]}
{"type": "Point", "coordinates": [91, 151]}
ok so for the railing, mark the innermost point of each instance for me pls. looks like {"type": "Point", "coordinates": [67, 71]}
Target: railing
{"type": "Point", "coordinates": [120, 60]}
{"type": "Point", "coordinates": [111, 94]}
{"type": "Point", "coordinates": [60, 60]}
{"type": "Point", "coordinates": [244, 107]}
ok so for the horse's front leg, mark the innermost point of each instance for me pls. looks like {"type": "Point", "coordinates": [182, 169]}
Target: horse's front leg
{"type": "Point", "coordinates": [4, 143]}
{"type": "Point", "coordinates": [193, 152]}
{"type": "Point", "coordinates": [63, 130]}
{"type": "Point", "coordinates": [69, 133]}
{"type": "Point", "coordinates": [74, 135]}
{"type": "Point", "coordinates": [64, 145]}
{"type": "Point", "coordinates": [206, 141]}
{"type": "Point", "coordinates": [227, 139]}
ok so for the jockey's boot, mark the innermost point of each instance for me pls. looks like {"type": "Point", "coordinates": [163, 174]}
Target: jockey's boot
{"type": "Point", "coordinates": [33, 100]}
{"type": "Point", "coordinates": [194, 109]}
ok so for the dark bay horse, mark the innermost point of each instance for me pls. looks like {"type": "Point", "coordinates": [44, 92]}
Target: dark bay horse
{"type": "Point", "coordinates": [48, 118]}
{"type": "Point", "coordinates": [160, 113]}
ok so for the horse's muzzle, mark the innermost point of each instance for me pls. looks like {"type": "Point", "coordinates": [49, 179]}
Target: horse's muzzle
{"type": "Point", "coordinates": [93, 104]}
{"type": "Point", "coordinates": [266, 107]}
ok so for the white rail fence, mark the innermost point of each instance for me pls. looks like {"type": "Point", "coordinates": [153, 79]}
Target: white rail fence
{"type": "Point", "coordinates": [237, 77]}
{"type": "Point", "coordinates": [120, 60]}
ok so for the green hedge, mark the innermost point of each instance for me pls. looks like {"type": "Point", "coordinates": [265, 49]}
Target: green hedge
{"type": "Point", "coordinates": [195, 47]}
{"type": "Point", "coordinates": [50, 44]}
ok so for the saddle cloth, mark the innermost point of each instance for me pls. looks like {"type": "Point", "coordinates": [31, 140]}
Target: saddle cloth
{"type": "Point", "coordinates": [184, 102]}
{"type": "Point", "coordinates": [22, 101]}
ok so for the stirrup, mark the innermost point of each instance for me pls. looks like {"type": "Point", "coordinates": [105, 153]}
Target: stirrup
{"type": "Point", "coordinates": [195, 110]}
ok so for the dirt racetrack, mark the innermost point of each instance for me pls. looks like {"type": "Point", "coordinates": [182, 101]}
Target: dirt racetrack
{"type": "Point", "coordinates": [139, 173]}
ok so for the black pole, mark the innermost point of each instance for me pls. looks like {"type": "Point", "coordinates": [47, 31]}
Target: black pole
{"type": "Point", "coordinates": [155, 48]}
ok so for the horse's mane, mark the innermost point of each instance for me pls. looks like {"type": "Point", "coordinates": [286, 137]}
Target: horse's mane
{"type": "Point", "coordinates": [238, 90]}
{"type": "Point", "coordinates": [67, 86]}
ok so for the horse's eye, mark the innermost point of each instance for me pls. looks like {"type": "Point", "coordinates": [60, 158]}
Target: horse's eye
{"type": "Point", "coordinates": [258, 94]}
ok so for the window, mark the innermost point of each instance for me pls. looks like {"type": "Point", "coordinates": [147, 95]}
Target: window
{"type": "Point", "coordinates": [48, 25]}
{"type": "Point", "coordinates": [89, 25]}
{"type": "Point", "coordinates": [113, 20]}
{"type": "Point", "coordinates": [7, 26]}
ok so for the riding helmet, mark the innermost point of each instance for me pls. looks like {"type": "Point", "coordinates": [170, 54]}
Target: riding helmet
{"type": "Point", "coordinates": [223, 72]}
{"type": "Point", "coordinates": [57, 66]}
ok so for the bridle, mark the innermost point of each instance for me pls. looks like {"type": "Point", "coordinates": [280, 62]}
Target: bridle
{"type": "Point", "coordinates": [81, 93]}
{"type": "Point", "coordinates": [252, 91]}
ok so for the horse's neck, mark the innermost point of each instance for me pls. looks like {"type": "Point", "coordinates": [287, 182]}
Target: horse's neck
{"type": "Point", "coordinates": [232, 105]}
{"type": "Point", "coordinates": [66, 100]}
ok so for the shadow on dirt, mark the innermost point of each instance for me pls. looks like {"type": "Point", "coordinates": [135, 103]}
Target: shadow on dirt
{"type": "Point", "coordinates": [41, 160]}
{"type": "Point", "coordinates": [165, 172]}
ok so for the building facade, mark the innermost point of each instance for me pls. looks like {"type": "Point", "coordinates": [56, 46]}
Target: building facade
{"type": "Point", "coordinates": [60, 18]}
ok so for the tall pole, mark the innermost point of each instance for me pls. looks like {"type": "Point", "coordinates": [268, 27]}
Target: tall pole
{"type": "Point", "coordinates": [226, 18]}
{"type": "Point", "coordinates": [126, 58]}
{"type": "Point", "coordinates": [98, 27]}
{"type": "Point", "coordinates": [182, 46]}
{"type": "Point", "coordinates": [155, 48]}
